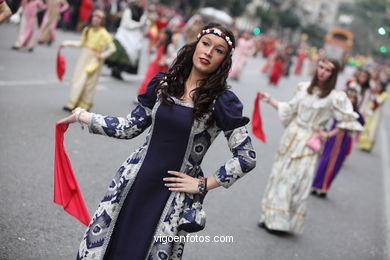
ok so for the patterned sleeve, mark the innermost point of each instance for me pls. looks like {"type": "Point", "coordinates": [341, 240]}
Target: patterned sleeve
{"type": "Point", "coordinates": [343, 112]}
{"type": "Point", "coordinates": [228, 116]}
{"type": "Point", "coordinates": [134, 124]}
{"type": "Point", "coordinates": [287, 111]}
{"type": "Point", "coordinates": [243, 160]}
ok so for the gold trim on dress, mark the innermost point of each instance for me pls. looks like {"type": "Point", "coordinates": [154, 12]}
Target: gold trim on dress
{"type": "Point", "coordinates": [285, 211]}
{"type": "Point", "coordinates": [302, 155]}
{"type": "Point", "coordinates": [289, 145]}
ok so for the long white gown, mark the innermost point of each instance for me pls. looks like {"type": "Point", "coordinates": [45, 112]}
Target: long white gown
{"type": "Point", "coordinates": [284, 203]}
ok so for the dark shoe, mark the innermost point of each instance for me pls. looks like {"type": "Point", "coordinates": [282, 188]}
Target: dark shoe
{"type": "Point", "coordinates": [66, 108]}
{"type": "Point", "coordinates": [15, 47]}
{"type": "Point", "coordinates": [319, 194]}
{"type": "Point", "coordinates": [115, 73]}
{"type": "Point", "coordinates": [322, 195]}
{"type": "Point", "coordinates": [30, 49]}
{"type": "Point", "coordinates": [261, 225]}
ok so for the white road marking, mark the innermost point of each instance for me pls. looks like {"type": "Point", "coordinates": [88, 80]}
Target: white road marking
{"type": "Point", "coordinates": [29, 82]}
{"type": "Point", "coordinates": [45, 82]}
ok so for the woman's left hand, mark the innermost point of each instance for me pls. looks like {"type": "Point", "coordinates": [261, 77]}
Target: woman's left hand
{"type": "Point", "coordinates": [97, 55]}
{"type": "Point", "coordinates": [323, 135]}
{"type": "Point", "coordinates": [181, 183]}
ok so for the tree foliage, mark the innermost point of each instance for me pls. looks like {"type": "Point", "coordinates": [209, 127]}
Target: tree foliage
{"type": "Point", "coordinates": [288, 19]}
{"type": "Point", "coordinates": [316, 35]}
{"type": "Point", "coordinates": [368, 17]}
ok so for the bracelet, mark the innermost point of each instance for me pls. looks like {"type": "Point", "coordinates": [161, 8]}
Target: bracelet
{"type": "Point", "coordinates": [202, 186]}
{"type": "Point", "coordinates": [78, 112]}
{"type": "Point", "coordinates": [268, 98]}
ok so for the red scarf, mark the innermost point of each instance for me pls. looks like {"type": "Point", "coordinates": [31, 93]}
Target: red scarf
{"type": "Point", "coordinates": [61, 65]}
{"type": "Point", "coordinates": [66, 189]}
{"type": "Point", "coordinates": [257, 125]}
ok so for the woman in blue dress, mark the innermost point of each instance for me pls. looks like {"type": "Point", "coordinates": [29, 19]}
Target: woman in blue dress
{"type": "Point", "coordinates": [160, 194]}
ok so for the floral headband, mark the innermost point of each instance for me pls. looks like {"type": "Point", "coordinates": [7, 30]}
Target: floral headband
{"type": "Point", "coordinates": [351, 91]}
{"type": "Point", "coordinates": [219, 33]}
{"type": "Point", "coordinates": [328, 63]}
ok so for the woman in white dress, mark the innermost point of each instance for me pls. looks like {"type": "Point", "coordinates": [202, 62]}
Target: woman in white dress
{"type": "Point", "coordinates": [128, 40]}
{"type": "Point", "coordinates": [307, 113]}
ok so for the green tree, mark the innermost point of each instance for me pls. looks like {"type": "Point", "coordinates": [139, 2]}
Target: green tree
{"type": "Point", "coordinates": [288, 20]}
{"type": "Point", "coordinates": [268, 17]}
{"type": "Point", "coordinates": [316, 35]}
{"type": "Point", "coordinates": [368, 17]}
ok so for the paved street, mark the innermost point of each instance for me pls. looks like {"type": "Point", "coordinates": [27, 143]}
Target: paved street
{"type": "Point", "coordinates": [351, 224]}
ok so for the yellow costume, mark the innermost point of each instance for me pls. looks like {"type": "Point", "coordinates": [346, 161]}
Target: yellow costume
{"type": "Point", "coordinates": [373, 114]}
{"type": "Point", "coordinates": [97, 44]}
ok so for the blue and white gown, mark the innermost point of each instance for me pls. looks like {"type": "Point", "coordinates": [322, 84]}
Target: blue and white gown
{"type": "Point", "coordinates": [137, 205]}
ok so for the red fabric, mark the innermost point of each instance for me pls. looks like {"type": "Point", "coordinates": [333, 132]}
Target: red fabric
{"type": "Point", "coordinates": [276, 72]}
{"type": "Point", "coordinates": [268, 47]}
{"type": "Point", "coordinates": [299, 65]}
{"type": "Point", "coordinates": [66, 189]}
{"type": "Point", "coordinates": [153, 69]}
{"type": "Point", "coordinates": [257, 125]}
{"type": "Point", "coordinates": [85, 9]}
{"type": "Point", "coordinates": [61, 65]}
{"type": "Point", "coordinates": [162, 23]}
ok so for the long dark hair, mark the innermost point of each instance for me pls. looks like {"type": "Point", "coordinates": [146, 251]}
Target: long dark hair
{"type": "Point", "coordinates": [353, 92]}
{"type": "Point", "coordinates": [168, 39]}
{"type": "Point", "coordinates": [209, 88]}
{"type": "Point", "coordinates": [329, 84]}
{"type": "Point", "coordinates": [365, 85]}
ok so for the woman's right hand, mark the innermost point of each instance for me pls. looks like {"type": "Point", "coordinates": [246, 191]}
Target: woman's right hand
{"type": "Point", "coordinates": [265, 97]}
{"type": "Point", "coordinates": [67, 120]}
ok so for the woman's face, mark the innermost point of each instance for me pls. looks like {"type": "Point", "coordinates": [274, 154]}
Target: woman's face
{"type": "Point", "coordinates": [141, 3]}
{"type": "Point", "coordinates": [324, 71]}
{"type": "Point", "coordinates": [362, 77]}
{"type": "Point", "coordinates": [209, 53]}
{"type": "Point", "coordinates": [163, 36]}
{"type": "Point", "coordinates": [97, 19]}
{"type": "Point", "coordinates": [376, 87]}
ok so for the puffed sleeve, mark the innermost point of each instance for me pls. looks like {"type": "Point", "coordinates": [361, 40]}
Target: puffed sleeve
{"type": "Point", "coordinates": [148, 99]}
{"type": "Point", "coordinates": [228, 111]}
{"type": "Point", "coordinates": [135, 123]}
{"type": "Point", "coordinates": [287, 111]}
{"type": "Point", "coordinates": [343, 112]}
{"type": "Point", "coordinates": [228, 115]}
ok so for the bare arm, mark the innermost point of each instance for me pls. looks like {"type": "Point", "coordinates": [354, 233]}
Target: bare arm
{"type": "Point", "coordinates": [5, 11]}
{"type": "Point", "coordinates": [74, 44]}
{"type": "Point", "coordinates": [268, 99]}
{"type": "Point", "coordinates": [324, 134]}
